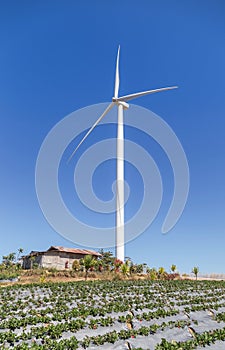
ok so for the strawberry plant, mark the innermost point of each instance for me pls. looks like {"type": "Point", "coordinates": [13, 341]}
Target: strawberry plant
{"type": "Point", "coordinates": [37, 316]}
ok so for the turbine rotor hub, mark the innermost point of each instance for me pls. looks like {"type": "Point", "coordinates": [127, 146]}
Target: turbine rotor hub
{"type": "Point", "coordinates": [119, 102]}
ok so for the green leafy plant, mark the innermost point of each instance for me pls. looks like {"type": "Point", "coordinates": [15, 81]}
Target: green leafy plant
{"type": "Point", "coordinates": [88, 262]}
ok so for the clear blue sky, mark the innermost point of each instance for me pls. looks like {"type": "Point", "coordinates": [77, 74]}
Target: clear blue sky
{"type": "Point", "coordinates": [57, 57]}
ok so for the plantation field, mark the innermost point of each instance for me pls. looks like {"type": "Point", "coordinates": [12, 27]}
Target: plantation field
{"type": "Point", "coordinates": [114, 315]}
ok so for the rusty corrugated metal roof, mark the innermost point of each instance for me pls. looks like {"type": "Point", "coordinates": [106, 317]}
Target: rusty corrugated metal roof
{"type": "Point", "coordinates": [74, 250]}
{"type": "Point", "coordinates": [63, 249]}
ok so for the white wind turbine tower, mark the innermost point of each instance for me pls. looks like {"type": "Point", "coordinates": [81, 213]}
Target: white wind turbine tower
{"type": "Point", "coordinates": [122, 104]}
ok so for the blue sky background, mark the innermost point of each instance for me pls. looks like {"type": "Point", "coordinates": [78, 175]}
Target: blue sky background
{"type": "Point", "coordinates": [57, 57]}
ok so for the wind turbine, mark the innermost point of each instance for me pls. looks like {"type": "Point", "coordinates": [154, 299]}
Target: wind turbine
{"type": "Point", "coordinates": [122, 104]}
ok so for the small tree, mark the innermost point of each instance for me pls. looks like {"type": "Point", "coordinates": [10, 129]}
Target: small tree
{"type": "Point", "coordinates": [173, 268]}
{"type": "Point", "coordinates": [106, 260]}
{"type": "Point", "coordinates": [152, 274]}
{"type": "Point", "coordinates": [20, 251]}
{"type": "Point", "coordinates": [195, 271]}
{"type": "Point", "coordinates": [9, 260]}
{"type": "Point", "coordinates": [87, 262]}
{"type": "Point", "coordinates": [161, 272]}
{"type": "Point", "coordinates": [132, 268]}
{"type": "Point", "coordinates": [139, 268]}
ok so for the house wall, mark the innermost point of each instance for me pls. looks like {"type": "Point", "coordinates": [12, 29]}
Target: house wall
{"type": "Point", "coordinates": [59, 260]}
{"type": "Point", "coordinates": [28, 263]}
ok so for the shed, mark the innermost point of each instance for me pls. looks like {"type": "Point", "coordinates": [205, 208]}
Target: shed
{"type": "Point", "coordinates": [56, 257]}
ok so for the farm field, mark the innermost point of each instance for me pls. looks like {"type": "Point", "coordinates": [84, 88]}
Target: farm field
{"type": "Point", "coordinates": [114, 315]}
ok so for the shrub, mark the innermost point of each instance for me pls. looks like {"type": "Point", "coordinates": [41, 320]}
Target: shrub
{"type": "Point", "coordinates": [76, 265]}
{"type": "Point", "coordinates": [171, 276]}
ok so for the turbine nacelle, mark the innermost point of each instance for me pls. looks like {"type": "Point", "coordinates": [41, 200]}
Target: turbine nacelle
{"type": "Point", "coordinates": [122, 103]}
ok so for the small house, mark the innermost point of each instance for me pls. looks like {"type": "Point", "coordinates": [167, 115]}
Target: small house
{"type": "Point", "coordinates": [56, 257]}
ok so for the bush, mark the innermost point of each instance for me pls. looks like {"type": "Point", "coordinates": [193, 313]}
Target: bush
{"type": "Point", "coordinates": [172, 276]}
{"type": "Point", "coordinates": [76, 265]}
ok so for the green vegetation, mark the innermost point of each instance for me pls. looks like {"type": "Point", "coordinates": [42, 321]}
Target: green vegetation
{"type": "Point", "coordinates": [173, 268]}
{"type": "Point", "coordinates": [88, 262]}
{"type": "Point", "coordinates": [36, 316]}
{"type": "Point", "coordinates": [76, 265]}
{"type": "Point", "coordinates": [7, 275]}
{"type": "Point", "coordinates": [10, 266]}
{"type": "Point", "coordinates": [124, 301]}
{"type": "Point", "coordinates": [195, 271]}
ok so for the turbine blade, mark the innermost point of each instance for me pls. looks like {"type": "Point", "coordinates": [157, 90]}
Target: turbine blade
{"type": "Point", "coordinates": [139, 94]}
{"type": "Point", "coordinates": [117, 77]}
{"type": "Point", "coordinates": [92, 128]}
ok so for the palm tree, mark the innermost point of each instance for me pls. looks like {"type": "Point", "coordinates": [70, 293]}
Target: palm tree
{"type": "Point", "coordinates": [20, 251]}
{"type": "Point", "coordinates": [88, 261]}
{"type": "Point", "coordinates": [125, 268]}
{"type": "Point", "coordinates": [161, 272]}
{"type": "Point", "coordinates": [173, 268]}
{"type": "Point", "coordinates": [195, 271]}
{"type": "Point", "coordinates": [152, 273]}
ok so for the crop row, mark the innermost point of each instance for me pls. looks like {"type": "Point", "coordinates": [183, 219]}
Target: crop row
{"type": "Point", "coordinates": [86, 305]}
{"type": "Point", "coordinates": [206, 338]}
{"type": "Point", "coordinates": [55, 332]}
{"type": "Point", "coordinates": [15, 323]}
